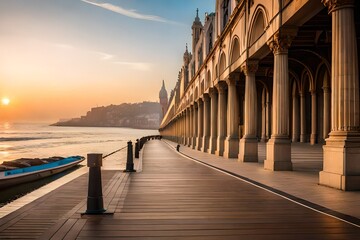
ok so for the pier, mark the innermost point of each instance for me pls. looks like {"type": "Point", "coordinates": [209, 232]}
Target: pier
{"type": "Point", "coordinates": [191, 195]}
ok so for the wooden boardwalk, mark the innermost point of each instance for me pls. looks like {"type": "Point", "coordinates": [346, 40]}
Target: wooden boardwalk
{"type": "Point", "coordinates": [172, 198]}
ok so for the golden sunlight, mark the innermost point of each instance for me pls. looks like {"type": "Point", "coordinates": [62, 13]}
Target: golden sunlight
{"type": "Point", "coordinates": [5, 101]}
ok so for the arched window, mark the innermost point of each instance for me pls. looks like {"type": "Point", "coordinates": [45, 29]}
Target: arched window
{"type": "Point", "coordinates": [200, 56]}
{"type": "Point", "coordinates": [235, 52]}
{"type": "Point", "coordinates": [226, 12]}
{"type": "Point", "coordinates": [257, 28]}
{"type": "Point", "coordinates": [210, 37]}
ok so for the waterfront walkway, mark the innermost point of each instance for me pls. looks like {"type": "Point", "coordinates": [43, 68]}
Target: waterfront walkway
{"type": "Point", "coordinates": [172, 197]}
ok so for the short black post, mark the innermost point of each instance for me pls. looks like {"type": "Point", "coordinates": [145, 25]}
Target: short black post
{"type": "Point", "coordinates": [95, 204]}
{"type": "Point", "coordinates": [178, 148]}
{"type": "Point", "coordinates": [137, 148]}
{"type": "Point", "coordinates": [130, 159]}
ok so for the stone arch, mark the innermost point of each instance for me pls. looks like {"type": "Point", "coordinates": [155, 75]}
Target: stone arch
{"type": "Point", "coordinates": [234, 50]}
{"type": "Point", "coordinates": [322, 76]}
{"type": "Point", "coordinates": [264, 123]}
{"type": "Point", "coordinates": [323, 91]}
{"type": "Point", "coordinates": [222, 63]}
{"type": "Point", "coordinates": [296, 80]}
{"type": "Point", "coordinates": [258, 24]}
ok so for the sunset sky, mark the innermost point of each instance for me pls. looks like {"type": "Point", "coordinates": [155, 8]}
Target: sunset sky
{"type": "Point", "coordinates": [59, 58]}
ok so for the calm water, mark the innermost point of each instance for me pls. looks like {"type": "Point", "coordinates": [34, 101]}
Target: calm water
{"type": "Point", "coordinates": [36, 140]}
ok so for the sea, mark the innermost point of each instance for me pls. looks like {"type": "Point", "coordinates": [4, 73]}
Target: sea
{"type": "Point", "coordinates": [40, 140]}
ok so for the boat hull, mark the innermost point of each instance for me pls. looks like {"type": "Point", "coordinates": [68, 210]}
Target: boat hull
{"type": "Point", "coordinates": [12, 180]}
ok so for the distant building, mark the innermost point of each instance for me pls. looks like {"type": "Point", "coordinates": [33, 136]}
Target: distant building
{"type": "Point", "coordinates": [163, 96]}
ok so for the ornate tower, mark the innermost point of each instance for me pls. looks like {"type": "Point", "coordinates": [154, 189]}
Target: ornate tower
{"type": "Point", "coordinates": [163, 96]}
{"type": "Point", "coordinates": [196, 31]}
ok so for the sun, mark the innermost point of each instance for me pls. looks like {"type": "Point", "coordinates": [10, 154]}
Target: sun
{"type": "Point", "coordinates": [5, 101]}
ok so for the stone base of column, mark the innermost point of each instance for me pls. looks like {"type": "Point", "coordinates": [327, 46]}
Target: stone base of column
{"type": "Point", "coordinates": [263, 138]}
{"type": "Point", "coordinates": [278, 154]}
{"type": "Point", "coordinates": [220, 146]}
{"type": "Point", "coordinates": [198, 143]}
{"type": "Point", "coordinates": [205, 144]}
{"type": "Point", "coordinates": [313, 139]}
{"type": "Point", "coordinates": [212, 145]}
{"type": "Point", "coordinates": [295, 139]}
{"type": "Point", "coordinates": [193, 142]}
{"type": "Point", "coordinates": [303, 138]}
{"type": "Point", "coordinates": [188, 142]}
{"type": "Point", "coordinates": [248, 150]}
{"type": "Point", "coordinates": [341, 164]}
{"type": "Point", "coordinates": [231, 147]}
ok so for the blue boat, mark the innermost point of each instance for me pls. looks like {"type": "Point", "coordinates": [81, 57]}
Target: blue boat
{"type": "Point", "coordinates": [17, 176]}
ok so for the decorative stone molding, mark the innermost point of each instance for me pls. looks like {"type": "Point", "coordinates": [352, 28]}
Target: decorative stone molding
{"type": "Point", "coordinates": [334, 5]}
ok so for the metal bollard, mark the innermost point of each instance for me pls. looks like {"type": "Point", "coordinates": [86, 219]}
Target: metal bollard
{"type": "Point", "coordinates": [178, 148]}
{"type": "Point", "coordinates": [137, 148]}
{"type": "Point", "coordinates": [95, 204]}
{"type": "Point", "coordinates": [130, 159]}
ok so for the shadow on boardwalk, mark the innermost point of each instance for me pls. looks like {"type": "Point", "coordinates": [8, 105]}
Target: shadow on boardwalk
{"type": "Point", "coordinates": [172, 198]}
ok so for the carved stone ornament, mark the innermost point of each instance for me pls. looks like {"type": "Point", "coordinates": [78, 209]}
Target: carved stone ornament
{"type": "Point", "coordinates": [249, 68]}
{"type": "Point", "coordinates": [280, 43]}
{"type": "Point", "coordinates": [333, 5]}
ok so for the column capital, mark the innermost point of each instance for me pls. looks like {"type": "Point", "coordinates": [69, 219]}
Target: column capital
{"type": "Point", "coordinates": [200, 102]}
{"type": "Point", "coordinates": [221, 87]}
{"type": "Point", "coordinates": [212, 92]}
{"type": "Point", "coordinates": [231, 80]}
{"type": "Point", "coordinates": [334, 5]}
{"type": "Point", "coordinates": [282, 40]}
{"type": "Point", "coordinates": [250, 67]}
{"type": "Point", "coordinates": [206, 97]}
{"type": "Point", "coordinates": [326, 89]}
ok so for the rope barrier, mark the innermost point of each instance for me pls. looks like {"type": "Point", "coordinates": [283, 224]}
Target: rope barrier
{"type": "Point", "coordinates": [114, 152]}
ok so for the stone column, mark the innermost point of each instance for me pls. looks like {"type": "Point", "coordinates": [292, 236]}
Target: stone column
{"type": "Point", "coordinates": [327, 111]}
{"type": "Point", "coordinates": [221, 118]}
{"type": "Point", "coordinates": [200, 124]}
{"type": "Point", "coordinates": [213, 120]}
{"type": "Point", "coordinates": [268, 117]}
{"type": "Point", "coordinates": [188, 126]}
{"type": "Point", "coordinates": [231, 145]}
{"type": "Point", "coordinates": [205, 143]}
{"type": "Point", "coordinates": [303, 137]}
{"type": "Point", "coordinates": [278, 149]}
{"type": "Point", "coordinates": [195, 125]}
{"type": "Point", "coordinates": [191, 127]}
{"type": "Point", "coordinates": [263, 115]}
{"type": "Point", "coordinates": [295, 119]}
{"type": "Point", "coordinates": [249, 142]}
{"type": "Point", "coordinates": [313, 136]}
{"type": "Point", "coordinates": [341, 165]}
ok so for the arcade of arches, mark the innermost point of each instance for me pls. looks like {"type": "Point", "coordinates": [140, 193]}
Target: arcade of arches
{"type": "Point", "coordinates": [277, 72]}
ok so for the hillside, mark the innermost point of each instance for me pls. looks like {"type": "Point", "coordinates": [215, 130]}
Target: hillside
{"type": "Point", "coordinates": [145, 115]}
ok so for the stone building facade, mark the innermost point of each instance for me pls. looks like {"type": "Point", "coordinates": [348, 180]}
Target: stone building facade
{"type": "Point", "coordinates": [276, 71]}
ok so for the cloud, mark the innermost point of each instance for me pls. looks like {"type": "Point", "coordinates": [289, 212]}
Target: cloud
{"type": "Point", "coordinates": [104, 56]}
{"type": "Point", "coordinates": [141, 66]}
{"type": "Point", "coordinates": [131, 13]}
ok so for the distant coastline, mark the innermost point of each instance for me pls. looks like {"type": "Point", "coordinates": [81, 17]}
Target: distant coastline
{"type": "Point", "coordinates": [145, 115]}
